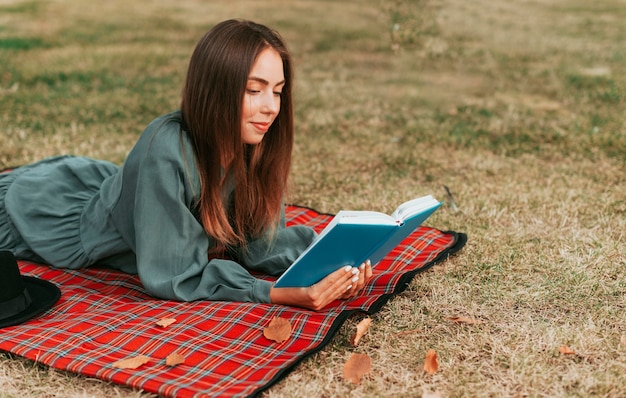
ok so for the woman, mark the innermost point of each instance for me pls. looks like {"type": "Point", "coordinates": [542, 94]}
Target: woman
{"type": "Point", "coordinates": [201, 181]}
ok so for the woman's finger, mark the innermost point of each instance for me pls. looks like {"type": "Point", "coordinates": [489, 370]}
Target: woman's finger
{"type": "Point", "coordinates": [368, 270]}
{"type": "Point", "coordinates": [335, 285]}
{"type": "Point", "coordinates": [365, 274]}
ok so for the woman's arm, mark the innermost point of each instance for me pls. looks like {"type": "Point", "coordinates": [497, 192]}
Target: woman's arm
{"type": "Point", "coordinates": [341, 284]}
{"type": "Point", "coordinates": [170, 243]}
{"type": "Point", "coordinates": [273, 255]}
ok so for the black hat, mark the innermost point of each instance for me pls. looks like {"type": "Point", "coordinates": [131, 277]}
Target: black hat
{"type": "Point", "coordinates": [22, 297]}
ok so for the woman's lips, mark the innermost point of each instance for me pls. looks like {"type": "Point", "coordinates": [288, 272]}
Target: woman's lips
{"type": "Point", "coordinates": [261, 126]}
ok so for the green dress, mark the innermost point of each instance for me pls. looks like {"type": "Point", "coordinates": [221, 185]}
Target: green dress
{"type": "Point", "coordinates": [74, 212]}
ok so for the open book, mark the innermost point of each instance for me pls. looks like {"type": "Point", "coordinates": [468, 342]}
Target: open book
{"type": "Point", "coordinates": [355, 236]}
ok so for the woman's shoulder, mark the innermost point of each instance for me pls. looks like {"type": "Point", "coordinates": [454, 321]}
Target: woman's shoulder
{"type": "Point", "coordinates": [164, 128]}
{"type": "Point", "coordinates": [163, 148]}
{"type": "Point", "coordinates": [172, 120]}
{"type": "Point", "coordinates": [164, 138]}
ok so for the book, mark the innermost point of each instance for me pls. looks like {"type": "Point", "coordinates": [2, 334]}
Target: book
{"type": "Point", "coordinates": [352, 237]}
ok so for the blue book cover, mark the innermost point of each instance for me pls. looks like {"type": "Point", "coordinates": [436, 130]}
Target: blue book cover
{"type": "Point", "coordinates": [355, 236]}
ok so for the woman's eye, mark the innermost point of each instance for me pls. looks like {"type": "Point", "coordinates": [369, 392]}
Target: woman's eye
{"type": "Point", "coordinates": [251, 91]}
{"type": "Point", "coordinates": [278, 93]}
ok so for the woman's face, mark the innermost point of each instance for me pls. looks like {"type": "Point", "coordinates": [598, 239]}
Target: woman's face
{"type": "Point", "coordinates": [261, 101]}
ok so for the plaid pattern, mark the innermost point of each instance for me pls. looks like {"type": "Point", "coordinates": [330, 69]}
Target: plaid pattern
{"type": "Point", "coordinates": [104, 316]}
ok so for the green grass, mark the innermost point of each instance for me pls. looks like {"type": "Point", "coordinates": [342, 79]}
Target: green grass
{"type": "Point", "coordinates": [518, 107]}
{"type": "Point", "coordinates": [25, 7]}
{"type": "Point", "coordinates": [22, 43]}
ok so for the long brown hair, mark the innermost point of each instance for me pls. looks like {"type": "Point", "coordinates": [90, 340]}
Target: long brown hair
{"type": "Point", "coordinates": [211, 108]}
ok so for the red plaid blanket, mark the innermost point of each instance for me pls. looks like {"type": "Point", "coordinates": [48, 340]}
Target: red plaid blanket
{"type": "Point", "coordinates": [104, 316]}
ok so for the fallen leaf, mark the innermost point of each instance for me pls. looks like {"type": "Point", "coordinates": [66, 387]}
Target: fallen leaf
{"type": "Point", "coordinates": [174, 359]}
{"type": "Point", "coordinates": [165, 322]}
{"type": "Point", "coordinates": [431, 366]}
{"type": "Point", "coordinates": [132, 362]}
{"type": "Point", "coordinates": [278, 330]}
{"type": "Point", "coordinates": [361, 329]}
{"type": "Point", "coordinates": [462, 319]}
{"type": "Point", "coordinates": [356, 367]}
{"type": "Point", "coordinates": [565, 350]}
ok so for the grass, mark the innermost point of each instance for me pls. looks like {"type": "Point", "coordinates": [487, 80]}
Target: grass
{"type": "Point", "coordinates": [516, 106]}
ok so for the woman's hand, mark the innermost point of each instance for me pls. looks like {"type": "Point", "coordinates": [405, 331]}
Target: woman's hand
{"type": "Point", "coordinates": [364, 275]}
{"type": "Point", "coordinates": [344, 283]}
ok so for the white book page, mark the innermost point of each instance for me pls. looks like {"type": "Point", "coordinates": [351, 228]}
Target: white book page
{"type": "Point", "coordinates": [412, 207]}
{"type": "Point", "coordinates": [357, 217]}
{"type": "Point", "coordinates": [365, 217]}
{"type": "Point", "coordinates": [403, 211]}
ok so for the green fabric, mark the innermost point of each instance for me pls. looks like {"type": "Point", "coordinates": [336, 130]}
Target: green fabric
{"type": "Point", "coordinates": [74, 212]}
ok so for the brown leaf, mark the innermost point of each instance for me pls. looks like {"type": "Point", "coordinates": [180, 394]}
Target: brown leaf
{"type": "Point", "coordinates": [361, 329]}
{"type": "Point", "coordinates": [278, 330]}
{"type": "Point", "coordinates": [174, 359]}
{"type": "Point", "coordinates": [132, 362]}
{"type": "Point", "coordinates": [462, 319]}
{"type": "Point", "coordinates": [356, 367]}
{"type": "Point", "coordinates": [565, 350]}
{"type": "Point", "coordinates": [431, 366]}
{"type": "Point", "coordinates": [165, 322]}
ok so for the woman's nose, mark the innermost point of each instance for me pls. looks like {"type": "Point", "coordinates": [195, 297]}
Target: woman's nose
{"type": "Point", "coordinates": [271, 103]}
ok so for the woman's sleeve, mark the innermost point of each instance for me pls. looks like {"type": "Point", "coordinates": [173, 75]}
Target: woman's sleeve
{"type": "Point", "coordinates": [274, 253]}
{"type": "Point", "coordinates": [172, 246]}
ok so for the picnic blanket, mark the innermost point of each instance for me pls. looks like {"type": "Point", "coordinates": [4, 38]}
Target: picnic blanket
{"type": "Point", "coordinates": [104, 316]}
